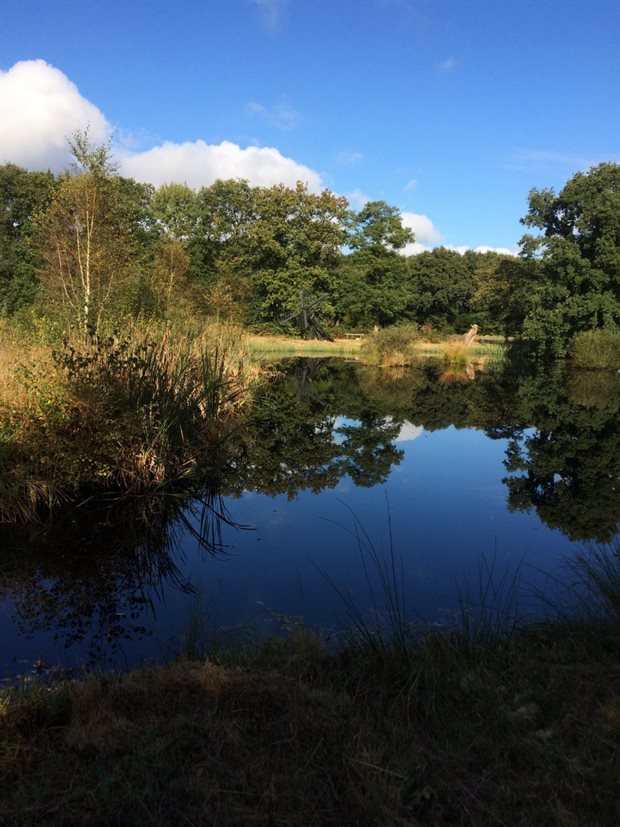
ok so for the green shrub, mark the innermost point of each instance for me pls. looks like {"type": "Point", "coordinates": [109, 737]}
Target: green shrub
{"type": "Point", "coordinates": [390, 345]}
{"type": "Point", "coordinates": [596, 349]}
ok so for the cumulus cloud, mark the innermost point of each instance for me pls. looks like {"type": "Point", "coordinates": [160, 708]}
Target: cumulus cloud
{"type": "Point", "coordinates": [409, 432]}
{"type": "Point", "coordinates": [425, 232]}
{"type": "Point", "coordinates": [39, 108]}
{"type": "Point", "coordinates": [197, 164]}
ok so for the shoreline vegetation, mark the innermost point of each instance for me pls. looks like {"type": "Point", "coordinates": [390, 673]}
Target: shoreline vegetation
{"type": "Point", "coordinates": [476, 725]}
{"type": "Point", "coordinates": [479, 723]}
{"type": "Point", "coordinates": [153, 407]}
{"type": "Point", "coordinates": [148, 409]}
{"type": "Point", "coordinates": [156, 407]}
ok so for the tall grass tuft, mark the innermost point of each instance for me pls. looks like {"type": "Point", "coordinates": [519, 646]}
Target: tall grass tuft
{"type": "Point", "coordinates": [126, 413]}
{"type": "Point", "coordinates": [384, 576]}
{"type": "Point", "coordinates": [489, 611]}
{"type": "Point", "coordinates": [593, 585]}
{"type": "Point", "coordinates": [456, 353]}
{"type": "Point", "coordinates": [596, 349]}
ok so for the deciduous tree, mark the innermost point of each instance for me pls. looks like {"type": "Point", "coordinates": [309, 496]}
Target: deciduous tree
{"type": "Point", "coordinates": [579, 250]}
{"type": "Point", "coordinates": [90, 250]}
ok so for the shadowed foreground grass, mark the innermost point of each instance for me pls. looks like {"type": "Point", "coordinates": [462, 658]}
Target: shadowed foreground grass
{"type": "Point", "coordinates": [524, 732]}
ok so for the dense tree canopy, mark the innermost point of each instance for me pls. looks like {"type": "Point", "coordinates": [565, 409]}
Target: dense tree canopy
{"type": "Point", "coordinates": [23, 196]}
{"type": "Point", "coordinates": [101, 244]}
{"type": "Point", "coordinates": [579, 253]}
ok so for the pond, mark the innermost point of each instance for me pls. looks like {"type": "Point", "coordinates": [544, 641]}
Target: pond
{"type": "Point", "coordinates": [353, 488]}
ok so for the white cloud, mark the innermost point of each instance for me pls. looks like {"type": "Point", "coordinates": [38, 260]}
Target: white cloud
{"type": "Point", "coordinates": [39, 109]}
{"type": "Point", "coordinates": [197, 164]}
{"type": "Point", "coordinates": [349, 157]}
{"type": "Point", "coordinates": [425, 232]}
{"type": "Point", "coordinates": [409, 432]}
{"type": "Point", "coordinates": [357, 199]}
{"type": "Point", "coordinates": [281, 116]}
{"type": "Point", "coordinates": [410, 185]}
{"type": "Point", "coordinates": [483, 248]}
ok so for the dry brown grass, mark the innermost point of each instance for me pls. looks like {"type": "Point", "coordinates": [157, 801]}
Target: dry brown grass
{"type": "Point", "coordinates": [282, 346]}
{"type": "Point", "coordinates": [524, 733]}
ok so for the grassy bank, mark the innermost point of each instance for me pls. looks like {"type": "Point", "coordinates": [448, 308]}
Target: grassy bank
{"type": "Point", "coordinates": [270, 347]}
{"type": "Point", "coordinates": [389, 347]}
{"type": "Point", "coordinates": [524, 732]}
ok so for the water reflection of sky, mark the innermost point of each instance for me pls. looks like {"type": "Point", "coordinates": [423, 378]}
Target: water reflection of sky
{"type": "Point", "coordinates": [441, 506]}
{"type": "Point", "coordinates": [446, 504]}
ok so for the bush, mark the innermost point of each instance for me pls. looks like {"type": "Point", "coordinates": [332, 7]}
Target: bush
{"type": "Point", "coordinates": [391, 345]}
{"type": "Point", "coordinates": [596, 349]}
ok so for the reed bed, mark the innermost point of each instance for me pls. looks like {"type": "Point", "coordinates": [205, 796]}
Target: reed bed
{"type": "Point", "coordinates": [126, 413]}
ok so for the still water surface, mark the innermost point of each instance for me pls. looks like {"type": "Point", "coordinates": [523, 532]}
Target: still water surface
{"type": "Point", "coordinates": [342, 466]}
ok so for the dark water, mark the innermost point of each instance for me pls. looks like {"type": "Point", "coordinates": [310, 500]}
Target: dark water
{"type": "Point", "coordinates": [341, 469]}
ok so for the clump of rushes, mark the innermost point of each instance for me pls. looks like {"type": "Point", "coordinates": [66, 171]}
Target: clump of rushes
{"type": "Point", "coordinates": [596, 349]}
{"type": "Point", "coordinates": [127, 413]}
{"type": "Point", "coordinates": [390, 346]}
{"type": "Point", "coordinates": [456, 353]}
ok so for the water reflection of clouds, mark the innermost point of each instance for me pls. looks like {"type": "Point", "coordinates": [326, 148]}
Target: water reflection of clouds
{"type": "Point", "coordinates": [409, 432]}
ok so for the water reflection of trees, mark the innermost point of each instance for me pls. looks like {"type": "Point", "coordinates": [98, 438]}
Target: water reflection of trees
{"type": "Point", "coordinates": [562, 428]}
{"type": "Point", "coordinates": [91, 576]}
{"type": "Point", "coordinates": [563, 432]}
{"type": "Point", "coordinates": [564, 459]}
{"type": "Point", "coordinates": [312, 426]}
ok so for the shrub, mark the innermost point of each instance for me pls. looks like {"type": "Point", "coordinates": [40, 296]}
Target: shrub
{"type": "Point", "coordinates": [391, 345]}
{"type": "Point", "coordinates": [596, 349]}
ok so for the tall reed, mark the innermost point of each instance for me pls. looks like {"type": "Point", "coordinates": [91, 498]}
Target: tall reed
{"type": "Point", "coordinates": [127, 412]}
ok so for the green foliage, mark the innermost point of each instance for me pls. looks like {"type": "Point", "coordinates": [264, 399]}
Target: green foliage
{"type": "Point", "coordinates": [90, 245]}
{"type": "Point", "coordinates": [441, 288]}
{"type": "Point", "coordinates": [378, 228]}
{"type": "Point", "coordinates": [372, 279]}
{"type": "Point", "coordinates": [579, 252]}
{"type": "Point", "coordinates": [23, 197]}
{"type": "Point", "coordinates": [596, 349]}
{"type": "Point", "coordinates": [390, 345]}
{"type": "Point", "coordinates": [371, 289]}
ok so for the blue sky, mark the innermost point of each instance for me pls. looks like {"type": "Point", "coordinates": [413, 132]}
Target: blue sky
{"type": "Point", "coordinates": [450, 110]}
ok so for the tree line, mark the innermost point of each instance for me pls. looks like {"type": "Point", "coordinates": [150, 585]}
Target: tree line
{"type": "Point", "coordinates": [93, 247]}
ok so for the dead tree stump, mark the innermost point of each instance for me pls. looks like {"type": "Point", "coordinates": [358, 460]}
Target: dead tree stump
{"type": "Point", "coordinates": [470, 337]}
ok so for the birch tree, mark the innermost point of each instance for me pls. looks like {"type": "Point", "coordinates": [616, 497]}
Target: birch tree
{"type": "Point", "coordinates": [89, 249]}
